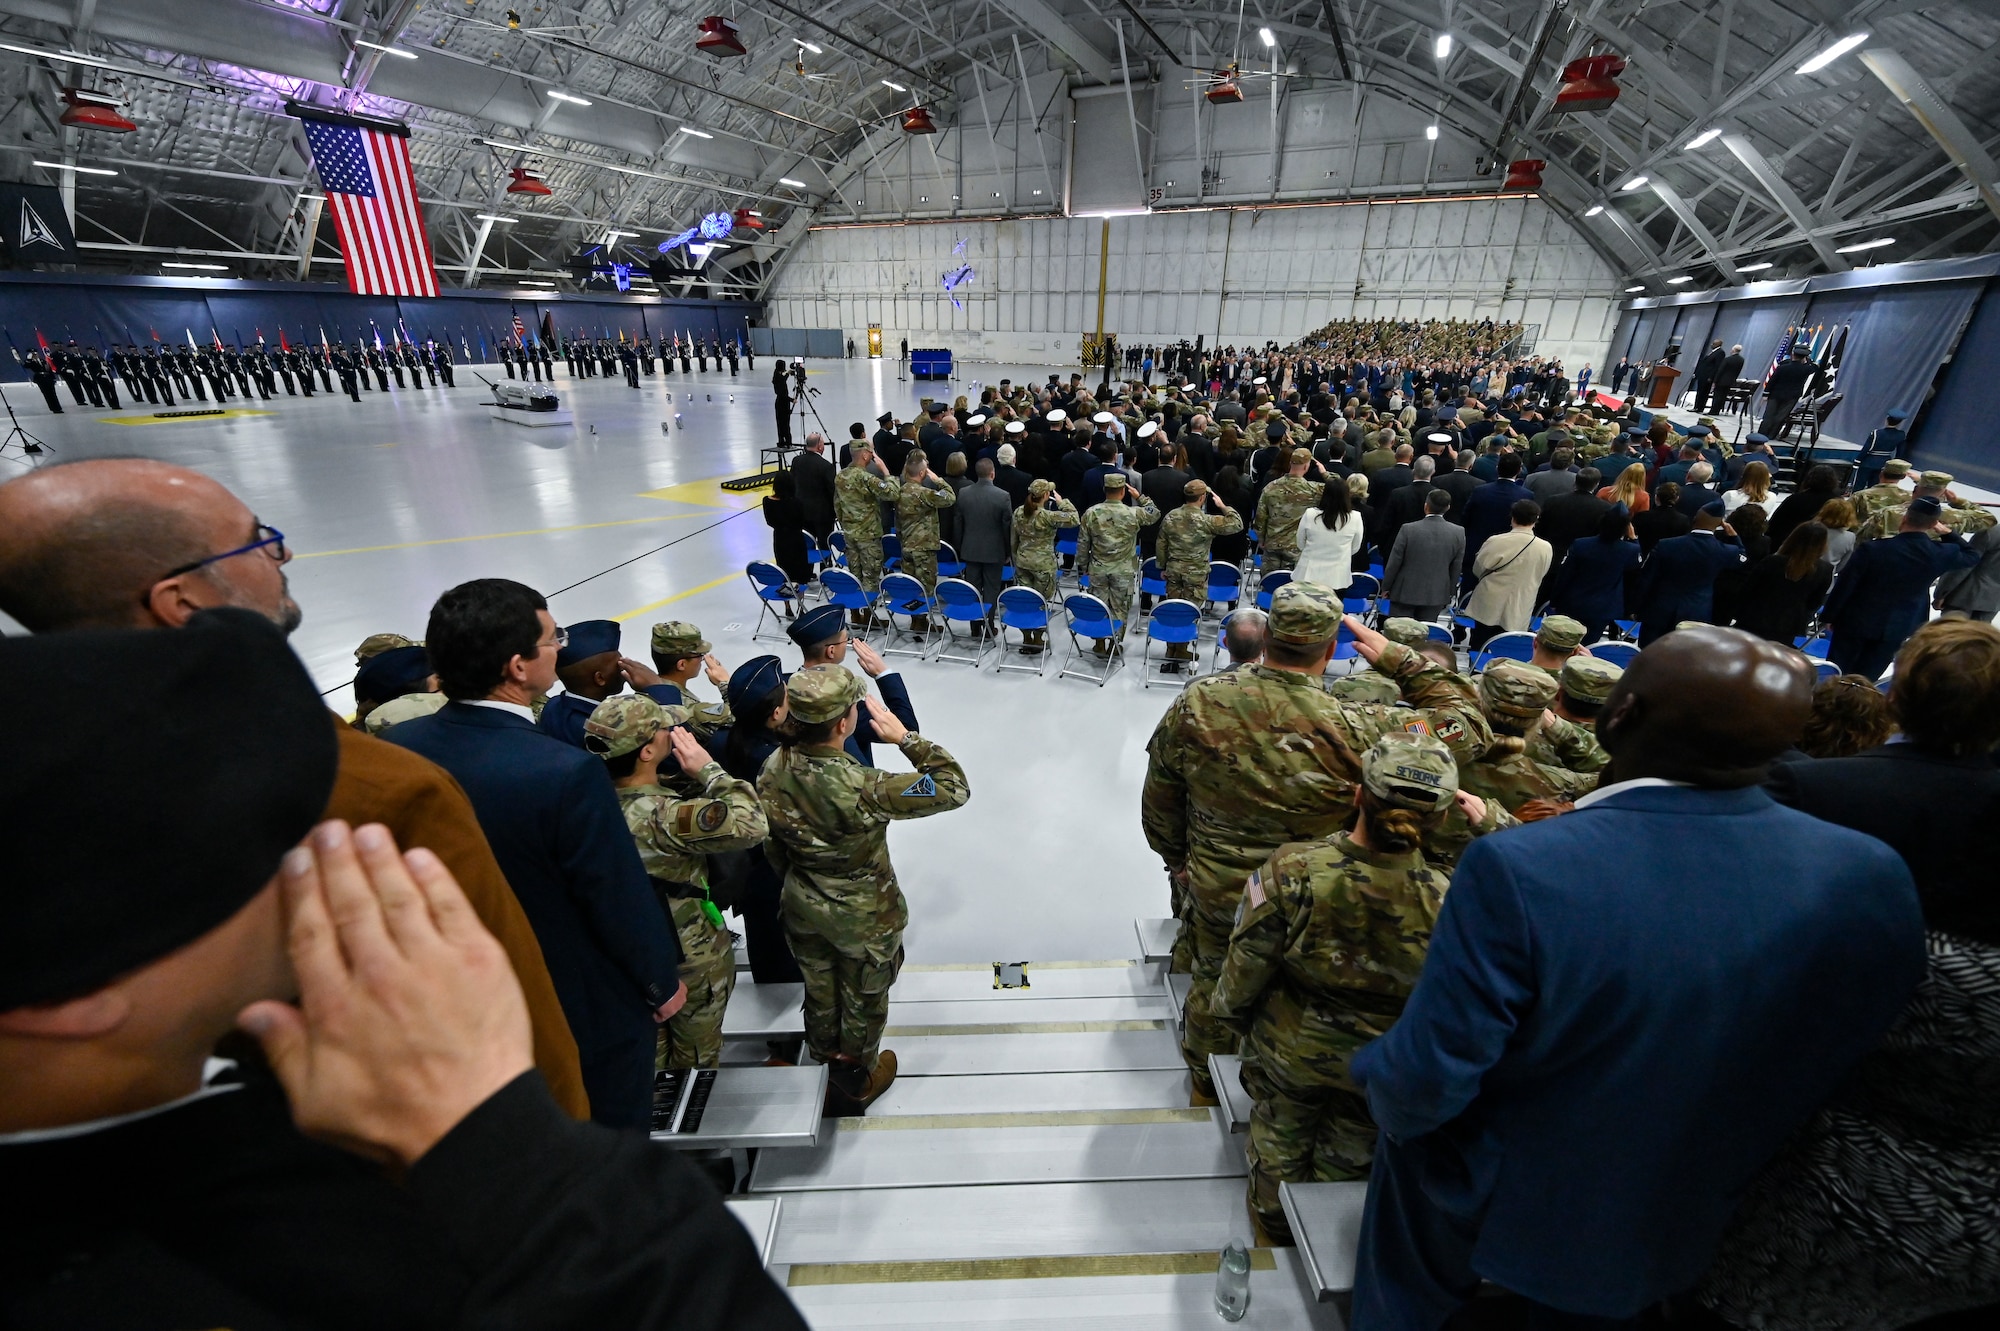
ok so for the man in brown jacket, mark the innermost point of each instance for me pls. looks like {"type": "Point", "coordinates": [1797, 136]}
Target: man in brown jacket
{"type": "Point", "coordinates": [133, 543]}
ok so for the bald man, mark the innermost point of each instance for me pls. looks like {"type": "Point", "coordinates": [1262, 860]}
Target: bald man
{"type": "Point", "coordinates": [133, 543]}
{"type": "Point", "coordinates": [1627, 1009]}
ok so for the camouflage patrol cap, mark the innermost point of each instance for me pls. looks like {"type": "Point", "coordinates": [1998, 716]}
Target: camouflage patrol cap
{"type": "Point", "coordinates": [1194, 489]}
{"type": "Point", "coordinates": [377, 643]}
{"type": "Point", "coordinates": [618, 726]}
{"type": "Point", "coordinates": [1113, 480]}
{"type": "Point", "coordinates": [1039, 489]}
{"type": "Point", "coordinates": [1560, 633]}
{"type": "Point", "coordinates": [822, 693]}
{"type": "Point", "coordinates": [1895, 467]}
{"type": "Point", "coordinates": [1929, 479]}
{"type": "Point", "coordinates": [1410, 772]}
{"type": "Point", "coordinates": [1409, 632]}
{"type": "Point", "coordinates": [678, 638]}
{"type": "Point", "coordinates": [1589, 678]}
{"type": "Point", "coordinates": [1304, 614]}
{"type": "Point", "coordinates": [1516, 691]}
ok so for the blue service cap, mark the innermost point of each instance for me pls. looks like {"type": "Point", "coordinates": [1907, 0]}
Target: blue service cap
{"type": "Point", "coordinates": [1697, 432]}
{"type": "Point", "coordinates": [1756, 438]}
{"type": "Point", "coordinates": [816, 626]}
{"type": "Point", "coordinates": [391, 674]}
{"type": "Point", "coordinates": [1896, 414]}
{"type": "Point", "coordinates": [1447, 413]}
{"type": "Point", "coordinates": [590, 637]}
{"type": "Point", "coordinates": [753, 680]}
{"type": "Point", "coordinates": [1715, 508]}
{"type": "Point", "coordinates": [1924, 509]}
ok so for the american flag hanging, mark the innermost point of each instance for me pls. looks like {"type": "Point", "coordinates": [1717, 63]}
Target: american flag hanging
{"type": "Point", "coordinates": [373, 193]}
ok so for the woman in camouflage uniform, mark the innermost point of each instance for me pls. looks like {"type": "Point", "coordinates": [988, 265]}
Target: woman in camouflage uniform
{"type": "Point", "coordinates": [1035, 526]}
{"type": "Point", "coordinates": [1329, 943]}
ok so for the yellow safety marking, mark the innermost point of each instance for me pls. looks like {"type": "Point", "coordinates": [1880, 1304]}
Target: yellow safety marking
{"type": "Point", "coordinates": [1027, 1118]}
{"type": "Point", "coordinates": [495, 535]}
{"type": "Point", "coordinates": [677, 596]}
{"type": "Point", "coordinates": [708, 493]}
{"type": "Point", "coordinates": [1029, 1028]}
{"type": "Point", "coordinates": [1020, 1268]}
{"type": "Point", "coordinates": [227, 413]}
{"type": "Point", "coordinates": [1036, 965]}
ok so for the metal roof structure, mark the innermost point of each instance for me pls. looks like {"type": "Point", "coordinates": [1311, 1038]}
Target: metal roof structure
{"type": "Point", "coordinates": [1719, 160]}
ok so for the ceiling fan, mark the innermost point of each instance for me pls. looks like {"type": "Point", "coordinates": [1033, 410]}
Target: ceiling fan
{"type": "Point", "coordinates": [1225, 84]}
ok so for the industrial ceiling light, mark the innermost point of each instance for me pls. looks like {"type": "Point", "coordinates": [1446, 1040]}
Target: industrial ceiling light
{"type": "Point", "coordinates": [1702, 140]}
{"type": "Point", "coordinates": [1753, 267]}
{"type": "Point", "coordinates": [809, 46]}
{"type": "Point", "coordinates": [494, 217]}
{"type": "Point", "coordinates": [1676, 281]}
{"type": "Point", "coordinates": [1630, 290]}
{"type": "Point", "coordinates": [1264, 36]}
{"type": "Point", "coordinates": [527, 182]}
{"type": "Point", "coordinates": [94, 110]}
{"type": "Point", "coordinates": [1431, 132]}
{"type": "Point", "coordinates": [1443, 45]}
{"type": "Point", "coordinates": [610, 236]}
{"type": "Point", "coordinates": [917, 120]}
{"type": "Point", "coordinates": [1636, 182]}
{"type": "Point", "coordinates": [896, 86]}
{"type": "Point", "coordinates": [795, 184]}
{"type": "Point", "coordinates": [200, 267]}
{"type": "Point", "coordinates": [717, 36]}
{"type": "Point", "coordinates": [1832, 53]}
{"type": "Point", "coordinates": [534, 282]}
{"type": "Point", "coordinates": [81, 170]}
{"type": "Point", "coordinates": [1593, 210]}
{"type": "Point", "coordinates": [697, 133]}
{"type": "Point", "coordinates": [571, 98]}
{"type": "Point", "coordinates": [1861, 245]}
{"type": "Point", "coordinates": [396, 51]}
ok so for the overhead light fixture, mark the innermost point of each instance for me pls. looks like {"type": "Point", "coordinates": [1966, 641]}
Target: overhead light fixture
{"type": "Point", "coordinates": [396, 51]}
{"type": "Point", "coordinates": [795, 184]}
{"type": "Point", "coordinates": [199, 267]}
{"type": "Point", "coordinates": [494, 217]}
{"type": "Point", "coordinates": [83, 170]}
{"type": "Point", "coordinates": [809, 46]}
{"type": "Point", "coordinates": [1702, 140]}
{"type": "Point", "coordinates": [571, 98]}
{"type": "Point", "coordinates": [897, 86]}
{"type": "Point", "coordinates": [1431, 132]}
{"type": "Point", "coordinates": [534, 282]}
{"type": "Point", "coordinates": [1832, 53]}
{"type": "Point", "coordinates": [923, 198]}
{"type": "Point", "coordinates": [1753, 267]}
{"type": "Point", "coordinates": [1593, 210]}
{"type": "Point", "coordinates": [613, 235]}
{"type": "Point", "coordinates": [1676, 281]}
{"type": "Point", "coordinates": [1630, 290]}
{"type": "Point", "coordinates": [1636, 182]}
{"type": "Point", "coordinates": [697, 133]}
{"type": "Point", "coordinates": [1861, 245]}
{"type": "Point", "coordinates": [60, 57]}
{"type": "Point", "coordinates": [1038, 191]}
{"type": "Point", "coordinates": [1443, 45]}
{"type": "Point", "coordinates": [1264, 36]}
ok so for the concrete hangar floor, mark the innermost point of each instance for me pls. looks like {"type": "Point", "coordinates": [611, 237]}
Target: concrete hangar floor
{"type": "Point", "coordinates": [389, 502]}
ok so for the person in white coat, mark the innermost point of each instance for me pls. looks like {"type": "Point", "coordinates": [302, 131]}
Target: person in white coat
{"type": "Point", "coordinates": [1510, 568]}
{"type": "Point", "coordinates": [1329, 538]}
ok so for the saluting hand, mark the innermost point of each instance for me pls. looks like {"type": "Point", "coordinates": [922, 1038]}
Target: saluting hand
{"type": "Point", "coordinates": [887, 728]}
{"type": "Point", "coordinates": [870, 660]}
{"type": "Point", "coordinates": [687, 751]}
{"type": "Point", "coordinates": [712, 668]}
{"type": "Point", "coordinates": [1368, 644]}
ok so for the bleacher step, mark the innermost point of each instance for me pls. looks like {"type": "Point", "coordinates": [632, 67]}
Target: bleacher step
{"type": "Point", "coordinates": [1038, 1011]}
{"type": "Point", "coordinates": [1123, 1047]}
{"type": "Point", "coordinates": [1030, 1091]}
{"type": "Point", "coordinates": [1051, 979]}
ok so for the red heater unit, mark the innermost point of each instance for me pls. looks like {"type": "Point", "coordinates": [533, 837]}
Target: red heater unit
{"type": "Point", "coordinates": [1525, 174]}
{"type": "Point", "coordinates": [1228, 90]}
{"type": "Point", "coordinates": [719, 37]}
{"type": "Point", "coordinates": [525, 182]}
{"type": "Point", "coordinates": [1589, 83]}
{"type": "Point", "coordinates": [93, 110]}
{"type": "Point", "coordinates": [748, 219]}
{"type": "Point", "coordinates": [917, 120]}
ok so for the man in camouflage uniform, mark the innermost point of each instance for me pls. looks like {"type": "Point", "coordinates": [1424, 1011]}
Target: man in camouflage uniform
{"type": "Point", "coordinates": [1889, 492]}
{"type": "Point", "coordinates": [1107, 548]}
{"type": "Point", "coordinates": [1372, 686]}
{"type": "Point", "coordinates": [1583, 685]}
{"type": "Point", "coordinates": [1185, 534]}
{"type": "Point", "coordinates": [841, 906]}
{"type": "Point", "coordinates": [1557, 641]}
{"type": "Point", "coordinates": [1514, 696]}
{"type": "Point", "coordinates": [1283, 502]}
{"type": "Point", "coordinates": [1244, 762]}
{"type": "Point", "coordinates": [1961, 517]}
{"type": "Point", "coordinates": [677, 822]}
{"type": "Point", "coordinates": [679, 654]}
{"type": "Point", "coordinates": [1035, 526]}
{"type": "Point", "coordinates": [922, 497]}
{"type": "Point", "coordinates": [377, 643]}
{"type": "Point", "coordinates": [1329, 943]}
{"type": "Point", "coordinates": [858, 495]}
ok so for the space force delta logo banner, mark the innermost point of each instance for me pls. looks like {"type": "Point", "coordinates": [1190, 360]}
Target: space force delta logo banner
{"type": "Point", "coordinates": [33, 226]}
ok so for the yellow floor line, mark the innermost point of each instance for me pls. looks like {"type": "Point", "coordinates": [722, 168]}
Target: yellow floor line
{"type": "Point", "coordinates": [148, 419]}
{"type": "Point", "coordinates": [1019, 1268]}
{"type": "Point", "coordinates": [1026, 1118]}
{"type": "Point", "coordinates": [677, 596]}
{"type": "Point", "coordinates": [708, 493]}
{"type": "Point", "coordinates": [497, 535]}
{"type": "Point", "coordinates": [1029, 1028]}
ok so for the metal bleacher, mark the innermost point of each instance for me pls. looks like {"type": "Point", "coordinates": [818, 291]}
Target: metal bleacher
{"type": "Point", "coordinates": [1036, 1164]}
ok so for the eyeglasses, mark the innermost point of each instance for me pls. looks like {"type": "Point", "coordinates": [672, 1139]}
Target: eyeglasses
{"type": "Point", "coordinates": [268, 537]}
{"type": "Point", "coordinates": [560, 641]}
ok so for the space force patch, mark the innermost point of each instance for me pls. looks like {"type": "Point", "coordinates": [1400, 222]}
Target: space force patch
{"type": "Point", "coordinates": [922, 788]}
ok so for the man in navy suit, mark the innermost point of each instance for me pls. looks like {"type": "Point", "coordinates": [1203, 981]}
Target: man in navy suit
{"type": "Point", "coordinates": [1613, 1035]}
{"type": "Point", "coordinates": [822, 637]}
{"type": "Point", "coordinates": [1678, 581]}
{"type": "Point", "coordinates": [556, 828]}
{"type": "Point", "coordinates": [1884, 593]}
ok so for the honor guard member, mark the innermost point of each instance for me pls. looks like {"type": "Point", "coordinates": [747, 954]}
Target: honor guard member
{"type": "Point", "coordinates": [1281, 505]}
{"type": "Point", "coordinates": [1184, 540]}
{"type": "Point", "coordinates": [922, 497]}
{"type": "Point", "coordinates": [542, 357]}
{"type": "Point", "coordinates": [678, 820]}
{"type": "Point", "coordinates": [350, 376]}
{"type": "Point", "coordinates": [1514, 697]}
{"type": "Point", "coordinates": [679, 654]}
{"type": "Point", "coordinates": [1327, 946]}
{"type": "Point", "coordinates": [107, 384]}
{"type": "Point", "coordinates": [1244, 762]}
{"type": "Point", "coordinates": [701, 355]}
{"type": "Point", "coordinates": [749, 358]}
{"type": "Point", "coordinates": [379, 366]}
{"type": "Point", "coordinates": [321, 359]}
{"type": "Point", "coordinates": [441, 357]}
{"type": "Point", "coordinates": [1883, 443]}
{"type": "Point", "coordinates": [684, 356]}
{"type": "Point", "coordinates": [646, 354]}
{"type": "Point", "coordinates": [160, 369]}
{"type": "Point", "coordinates": [216, 372]}
{"type": "Point", "coordinates": [393, 358]}
{"type": "Point", "coordinates": [628, 361]}
{"type": "Point", "coordinates": [1035, 526]}
{"type": "Point", "coordinates": [189, 361]}
{"type": "Point", "coordinates": [858, 495]}
{"type": "Point", "coordinates": [1107, 547]}
{"type": "Point", "coordinates": [730, 347]}
{"type": "Point", "coordinates": [842, 909]}
{"type": "Point", "coordinates": [285, 362]}
{"type": "Point", "coordinates": [45, 379]}
{"type": "Point", "coordinates": [125, 362]}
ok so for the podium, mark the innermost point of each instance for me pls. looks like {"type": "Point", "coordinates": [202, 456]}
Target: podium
{"type": "Point", "coordinates": [1662, 390]}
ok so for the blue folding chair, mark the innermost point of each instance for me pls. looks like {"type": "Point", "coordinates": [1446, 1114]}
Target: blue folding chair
{"type": "Point", "coordinates": [845, 590]}
{"type": "Point", "coordinates": [1152, 582]}
{"type": "Point", "coordinates": [904, 595]}
{"type": "Point", "coordinates": [1814, 647]}
{"type": "Point", "coordinates": [1620, 654]}
{"type": "Point", "coordinates": [837, 543]}
{"type": "Point", "coordinates": [1438, 633]}
{"type": "Point", "coordinates": [815, 553]}
{"type": "Point", "coordinates": [1091, 618]}
{"type": "Point", "coordinates": [1066, 549]}
{"type": "Point", "coordinates": [1827, 669]}
{"type": "Point", "coordinates": [1271, 583]}
{"type": "Point", "coordinates": [892, 551]}
{"type": "Point", "coordinates": [1517, 646]}
{"type": "Point", "coordinates": [1628, 627]}
{"type": "Point", "coordinates": [1225, 587]}
{"type": "Point", "coordinates": [949, 564]}
{"type": "Point", "coordinates": [964, 615]}
{"type": "Point", "coordinates": [1171, 622]}
{"type": "Point", "coordinates": [1023, 610]}
{"type": "Point", "coordinates": [768, 581]}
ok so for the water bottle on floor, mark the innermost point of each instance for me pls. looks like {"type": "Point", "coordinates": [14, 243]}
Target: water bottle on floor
{"type": "Point", "coordinates": [1232, 1283]}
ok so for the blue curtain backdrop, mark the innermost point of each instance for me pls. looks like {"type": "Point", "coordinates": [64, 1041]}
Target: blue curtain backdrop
{"type": "Point", "coordinates": [1650, 338]}
{"type": "Point", "coordinates": [1621, 342]}
{"type": "Point", "coordinates": [1956, 434]}
{"type": "Point", "coordinates": [1897, 338]}
{"type": "Point", "coordinates": [1691, 330]}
